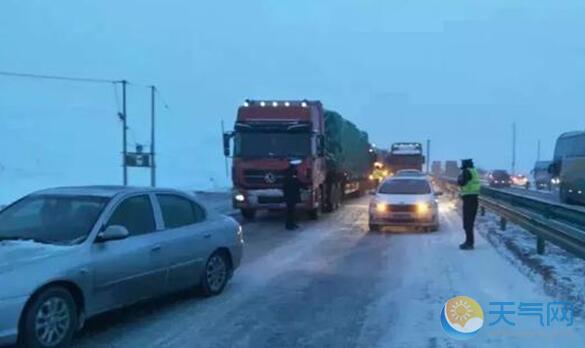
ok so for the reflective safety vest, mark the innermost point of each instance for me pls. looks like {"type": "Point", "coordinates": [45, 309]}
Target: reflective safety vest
{"type": "Point", "coordinates": [473, 186]}
{"type": "Point", "coordinates": [379, 174]}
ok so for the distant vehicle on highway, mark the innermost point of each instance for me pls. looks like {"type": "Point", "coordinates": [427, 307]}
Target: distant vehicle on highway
{"type": "Point", "coordinates": [410, 172]}
{"type": "Point", "coordinates": [452, 169]}
{"type": "Point", "coordinates": [404, 201]}
{"type": "Point", "coordinates": [542, 176]}
{"type": "Point", "coordinates": [499, 178]}
{"type": "Point", "coordinates": [405, 156]}
{"type": "Point", "coordinates": [520, 180]}
{"type": "Point", "coordinates": [67, 254]}
{"type": "Point", "coordinates": [568, 167]}
{"type": "Point", "coordinates": [437, 168]}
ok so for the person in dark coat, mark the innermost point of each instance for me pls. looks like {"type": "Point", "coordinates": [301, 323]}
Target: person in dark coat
{"type": "Point", "coordinates": [470, 185]}
{"type": "Point", "coordinates": [291, 187]}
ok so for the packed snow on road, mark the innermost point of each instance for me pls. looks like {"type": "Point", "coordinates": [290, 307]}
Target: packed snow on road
{"type": "Point", "coordinates": [334, 284]}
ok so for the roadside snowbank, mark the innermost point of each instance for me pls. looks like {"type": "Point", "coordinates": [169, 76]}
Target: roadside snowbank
{"type": "Point", "coordinates": [561, 274]}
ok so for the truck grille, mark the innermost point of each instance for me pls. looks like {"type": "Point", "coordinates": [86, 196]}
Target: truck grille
{"type": "Point", "coordinates": [402, 208]}
{"type": "Point", "coordinates": [263, 176]}
{"type": "Point", "coordinates": [270, 199]}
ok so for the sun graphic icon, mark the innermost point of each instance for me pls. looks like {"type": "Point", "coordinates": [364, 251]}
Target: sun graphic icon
{"type": "Point", "coordinates": [460, 311]}
{"type": "Point", "coordinates": [462, 317]}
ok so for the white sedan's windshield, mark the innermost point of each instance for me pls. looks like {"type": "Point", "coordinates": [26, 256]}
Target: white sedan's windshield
{"type": "Point", "coordinates": [51, 218]}
{"type": "Point", "coordinates": [405, 187]}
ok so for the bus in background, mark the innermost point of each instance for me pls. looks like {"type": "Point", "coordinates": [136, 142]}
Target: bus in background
{"type": "Point", "coordinates": [542, 176]}
{"type": "Point", "coordinates": [405, 156]}
{"type": "Point", "coordinates": [568, 167]}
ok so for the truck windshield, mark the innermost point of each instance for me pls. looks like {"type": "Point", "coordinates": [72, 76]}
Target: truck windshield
{"type": "Point", "coordinates": [272, 144]}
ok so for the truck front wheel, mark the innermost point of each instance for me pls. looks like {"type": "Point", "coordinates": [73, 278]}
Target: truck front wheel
{"type": "Point", "coordinates": [248, 214]}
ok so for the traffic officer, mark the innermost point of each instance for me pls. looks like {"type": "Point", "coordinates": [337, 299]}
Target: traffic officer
{"type": "Point", "coordinates": [291, 187]}
{"type": "Point", "coordinates": [470, 185]}
{"type": "Point", "coordinates": [379, 173]}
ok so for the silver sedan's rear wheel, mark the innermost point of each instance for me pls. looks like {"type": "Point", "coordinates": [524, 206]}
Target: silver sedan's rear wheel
{"type": "Point", "coordinates": [50, 319]}
{"type": "Point", "coordinates": [216, 274]}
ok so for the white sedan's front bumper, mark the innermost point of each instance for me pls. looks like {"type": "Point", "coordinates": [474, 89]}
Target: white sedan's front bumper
{"type": "Point", "coordinates": [403, 219]}
{"type": "Point", "coordinates": [10, 312]}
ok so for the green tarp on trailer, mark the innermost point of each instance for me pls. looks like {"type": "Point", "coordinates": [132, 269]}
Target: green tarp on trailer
{"type": "Point", "coordinates": [347, 147]}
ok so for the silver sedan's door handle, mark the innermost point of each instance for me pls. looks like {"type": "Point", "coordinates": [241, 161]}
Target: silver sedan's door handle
{"type": "Point", "coordinates": [156, 248]}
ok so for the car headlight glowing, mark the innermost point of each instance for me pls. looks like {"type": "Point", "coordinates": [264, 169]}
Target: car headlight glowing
{"type": "Point", "coordinates": [381, 207]}
{"type": "Point", "coordinates": [423, 207]}
{"type": "Point", "coordinates": [239, 197]}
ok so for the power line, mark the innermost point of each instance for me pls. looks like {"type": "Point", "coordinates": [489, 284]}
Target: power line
{"type": "Point", "coordinates": [165, 103]}
{"type": "Point", "coordinates": [56, 77]}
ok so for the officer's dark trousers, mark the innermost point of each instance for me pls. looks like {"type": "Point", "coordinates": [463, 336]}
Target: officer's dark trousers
{"type": "Point", "coordinates": [291, 216]}
{"type": "Point", "coordinates": [470, 204]}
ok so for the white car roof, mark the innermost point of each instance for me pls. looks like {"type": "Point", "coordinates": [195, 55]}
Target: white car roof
{"type": "Point", "coordinates": [395, 178]}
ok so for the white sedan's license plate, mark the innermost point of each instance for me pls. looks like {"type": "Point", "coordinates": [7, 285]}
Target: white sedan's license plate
{"type": "Point", "coordinates": [401, 216]}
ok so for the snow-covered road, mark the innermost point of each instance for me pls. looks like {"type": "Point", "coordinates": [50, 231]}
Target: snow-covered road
{"type": "Point", "coordinates": [333, 284]}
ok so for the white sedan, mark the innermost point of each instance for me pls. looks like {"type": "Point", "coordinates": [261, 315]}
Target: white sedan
{"type": "Point", "coordinates": [405, 201]}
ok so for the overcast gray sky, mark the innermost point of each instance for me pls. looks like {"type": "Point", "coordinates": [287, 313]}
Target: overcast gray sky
{"type": "Point", "coordinates": [457, 72]}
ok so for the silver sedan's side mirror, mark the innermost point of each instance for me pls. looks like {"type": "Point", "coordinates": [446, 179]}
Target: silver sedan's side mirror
{"type": "Point", "coordinates": [113, 232]}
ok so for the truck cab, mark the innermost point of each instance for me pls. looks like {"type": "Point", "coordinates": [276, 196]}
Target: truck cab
{"type": "Point", "coordinates": [267, 135]}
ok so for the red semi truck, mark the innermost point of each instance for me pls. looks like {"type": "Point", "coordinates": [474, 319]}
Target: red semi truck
{"type": "Point", "coordinates": [267, 135]}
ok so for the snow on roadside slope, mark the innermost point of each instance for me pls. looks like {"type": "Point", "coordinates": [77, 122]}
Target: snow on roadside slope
{"type": "Point", "coordinates": [560, 273]}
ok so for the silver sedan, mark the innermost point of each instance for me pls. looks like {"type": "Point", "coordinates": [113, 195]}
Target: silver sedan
{"type": "Point", "coordinates": [67, 254]}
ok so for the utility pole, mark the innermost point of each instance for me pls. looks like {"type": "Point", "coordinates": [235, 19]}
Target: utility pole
{"type": "Point", "coordinates": [514, 148]}
{"type": "Point", "coordinates": [538, 150]}
{"type": "Point", "coordinates": [124, 131]}
{"type": "Point", "coordinates": [152, 133]}
{"type": "Point", "coordinates": [428, 155]}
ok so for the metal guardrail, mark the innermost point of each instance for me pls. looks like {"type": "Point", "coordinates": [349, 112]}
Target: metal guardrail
{"type": "Point", "coordinates": [557, 223]}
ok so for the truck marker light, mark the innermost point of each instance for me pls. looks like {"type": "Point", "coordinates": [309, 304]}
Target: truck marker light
{"type": "Point", "coordinates": [304, 104]}
{"type": "Point", "coordinates": [239, 197]}
{"type": "Point", "coordinates": [275, 104]}
{"type": "Point", "coordinates": [287, 104]}
{"type": "Point", "coordinates": [246, 104]}
{"type": "Point", "coordinates": [262, 104]}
